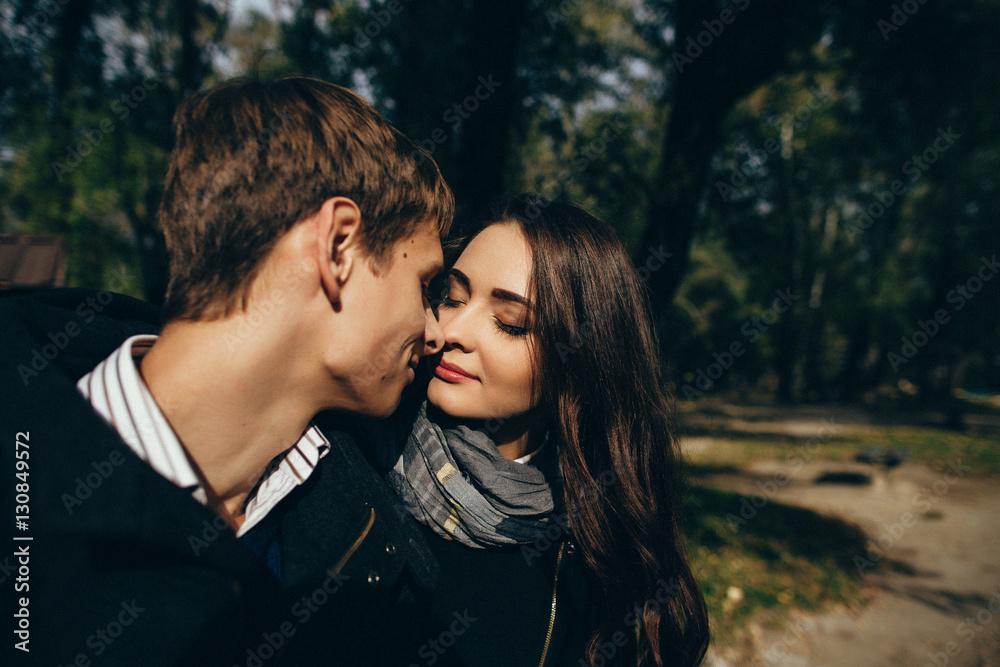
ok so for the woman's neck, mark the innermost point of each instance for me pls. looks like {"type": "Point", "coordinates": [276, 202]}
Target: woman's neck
{"type": "Point", "coordinates": [518, 436]}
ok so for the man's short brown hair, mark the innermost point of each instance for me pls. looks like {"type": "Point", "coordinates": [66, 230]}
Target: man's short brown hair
{"type": "Point", "coordinates": [252, 158]}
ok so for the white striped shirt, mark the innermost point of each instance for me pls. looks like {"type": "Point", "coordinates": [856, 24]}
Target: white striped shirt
{"type": "Point", "coordinates": [118, 393]}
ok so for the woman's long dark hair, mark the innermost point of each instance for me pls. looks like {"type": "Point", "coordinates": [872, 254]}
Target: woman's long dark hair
{"type": "Point", "coordinates": [599, 380]}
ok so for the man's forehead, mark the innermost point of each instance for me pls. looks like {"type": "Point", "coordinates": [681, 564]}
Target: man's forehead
{"type": "Point", "coordinates": [424, 246]}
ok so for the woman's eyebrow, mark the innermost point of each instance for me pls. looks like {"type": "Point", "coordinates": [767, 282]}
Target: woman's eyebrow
{"type": "Point", "coordinates": [461, 278]}
{"type": "Point", "coordinates": [496, 292]}
{"type": "Point", "coordinates": [507, 295]}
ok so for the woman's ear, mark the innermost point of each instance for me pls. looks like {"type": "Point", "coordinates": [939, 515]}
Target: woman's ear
{"type": "Point", "coordinates": [338, 225]}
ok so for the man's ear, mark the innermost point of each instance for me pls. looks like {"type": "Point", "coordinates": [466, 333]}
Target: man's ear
{"type": "Point", "coordinates": [338, 229]}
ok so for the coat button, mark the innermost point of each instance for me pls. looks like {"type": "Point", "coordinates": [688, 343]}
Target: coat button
{"type": "Point", "coordinates": [390, 548]}
{"type": "Point", "coordinates": [373, 578]}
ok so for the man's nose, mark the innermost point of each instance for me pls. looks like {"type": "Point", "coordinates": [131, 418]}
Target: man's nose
{"type": "Point", "coordinates": [433, 335]}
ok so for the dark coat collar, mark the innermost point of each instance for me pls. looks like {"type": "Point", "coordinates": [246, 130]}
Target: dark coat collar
{"type": "Point", "coordinates": [88, 481]}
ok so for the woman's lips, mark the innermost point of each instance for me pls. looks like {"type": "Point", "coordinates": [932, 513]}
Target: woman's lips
{"type": "Point", "coordinates": [453, 373]}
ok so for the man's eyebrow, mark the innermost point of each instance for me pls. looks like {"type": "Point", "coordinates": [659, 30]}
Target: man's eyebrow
{"type": "Point", "coordinates": [496, 292]}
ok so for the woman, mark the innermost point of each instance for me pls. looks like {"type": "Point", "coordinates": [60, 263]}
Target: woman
{"type": "Point", "coordinates": [546, 457]}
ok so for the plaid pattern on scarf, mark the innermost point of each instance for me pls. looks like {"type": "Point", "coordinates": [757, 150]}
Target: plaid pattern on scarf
{"type": "Point", "coordinates": [457, 482]}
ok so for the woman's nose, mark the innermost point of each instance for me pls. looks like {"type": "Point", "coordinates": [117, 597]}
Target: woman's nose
{"type": "Point", "coordinates": [455, 328]}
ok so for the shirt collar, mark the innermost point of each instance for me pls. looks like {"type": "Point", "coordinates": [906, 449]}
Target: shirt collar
{"type": "Point", "coordinates": [530, 455]}
{"type": "Point", "coordinates": [118, 393]}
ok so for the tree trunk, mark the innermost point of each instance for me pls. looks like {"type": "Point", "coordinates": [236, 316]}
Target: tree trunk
{"type": "Point", "coordinates": [83, 265]}
{"type": "Point", "coordinates": [754, 46]}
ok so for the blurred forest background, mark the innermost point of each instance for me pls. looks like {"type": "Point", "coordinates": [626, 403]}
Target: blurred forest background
{"type": "Point", "coordinates": [810, 189]}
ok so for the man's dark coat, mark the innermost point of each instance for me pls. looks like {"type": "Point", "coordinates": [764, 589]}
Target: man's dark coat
{"type": "Point", "coordinates": [125, 568]}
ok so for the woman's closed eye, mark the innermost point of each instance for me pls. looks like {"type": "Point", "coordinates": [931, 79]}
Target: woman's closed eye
{"type": "Point", "coordinates": [509, 329]}
{"type": "Point", "coordinates": [454, 294]}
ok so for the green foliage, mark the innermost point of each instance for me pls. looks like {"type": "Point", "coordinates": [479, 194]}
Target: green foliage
{"type": "Point", "coordinates": [805, 113]}
{"type": "Point", "coordinates": [802, 193]}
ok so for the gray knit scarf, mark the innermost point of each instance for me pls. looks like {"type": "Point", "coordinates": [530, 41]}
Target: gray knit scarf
{"type": "Point", "coordinates": [456, 481]}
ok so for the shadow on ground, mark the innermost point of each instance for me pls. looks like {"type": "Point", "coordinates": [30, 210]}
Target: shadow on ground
{"type": "Point", "coordinates": [716, 518]}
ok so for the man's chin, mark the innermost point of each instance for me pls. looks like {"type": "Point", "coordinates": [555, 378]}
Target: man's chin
{"type": "Point", "coordinates": [384, 409]}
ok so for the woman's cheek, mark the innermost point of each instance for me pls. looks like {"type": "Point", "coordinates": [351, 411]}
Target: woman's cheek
{"type": "Point", "coordinates": [516, 374]}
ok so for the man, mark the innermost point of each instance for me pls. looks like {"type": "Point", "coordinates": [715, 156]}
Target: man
{"type": "Point", "coordinates": [181, 508]}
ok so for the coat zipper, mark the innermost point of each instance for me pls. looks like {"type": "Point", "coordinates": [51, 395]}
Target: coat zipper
{"type": "Point", "coordinates": [354, 547]}
{"type": "Point", "coordinates": [552, 616]}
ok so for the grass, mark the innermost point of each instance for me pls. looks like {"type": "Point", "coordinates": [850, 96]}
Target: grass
{"type": "Point", "coordinates": [782, 557]}
{"type": "Point", "coordinates": [761, 567]}
{"type": "Point", "coordinates": [930, 446]}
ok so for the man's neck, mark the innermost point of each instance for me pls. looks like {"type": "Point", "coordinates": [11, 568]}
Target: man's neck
{"type": "Point", "coordinates": [234, 403]}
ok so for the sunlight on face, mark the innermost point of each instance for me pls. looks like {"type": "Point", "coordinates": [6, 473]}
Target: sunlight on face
{"type": "Point", "coordinates": [391, 307]}
{"type": "Point", "coordinates": [485, 370]}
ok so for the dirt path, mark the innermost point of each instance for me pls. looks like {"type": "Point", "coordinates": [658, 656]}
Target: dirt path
{"type": "Point", "coordinates": [939, 603]}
